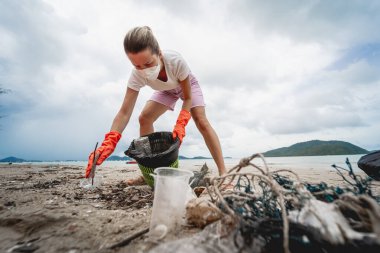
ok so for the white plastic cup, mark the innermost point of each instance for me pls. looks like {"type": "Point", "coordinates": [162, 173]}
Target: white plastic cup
{"type": "Point", "coordinates": [90, 184]}
{"type": "Point", "coordinates": [171, 191]}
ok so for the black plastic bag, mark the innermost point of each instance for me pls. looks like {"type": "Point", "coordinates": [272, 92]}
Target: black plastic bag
{"type": "Point", "coordinates": [158, 150]}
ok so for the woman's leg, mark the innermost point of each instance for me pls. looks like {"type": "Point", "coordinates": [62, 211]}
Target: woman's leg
{"type": "Point", "coordinates": [212, 141]}
{"type": "Point", "coordinates": [151, 112]}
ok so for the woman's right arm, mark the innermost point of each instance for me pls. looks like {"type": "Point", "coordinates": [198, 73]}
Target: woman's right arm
{"type": "Point", "coordinates": [112, 138]}
{"type": "Point", "coordinates": [122, 117]}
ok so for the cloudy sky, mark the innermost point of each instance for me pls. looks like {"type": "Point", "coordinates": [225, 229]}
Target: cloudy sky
{"type": "Point", "coordinates": [273, 73]}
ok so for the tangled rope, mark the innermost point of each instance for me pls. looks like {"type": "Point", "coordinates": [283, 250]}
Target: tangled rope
{"type": "Point", "coordinates": [263, 195]}
{"type": "Point", "coordinates": [358, 185]}
{"type": "Point", "coordinates": [269, 201]}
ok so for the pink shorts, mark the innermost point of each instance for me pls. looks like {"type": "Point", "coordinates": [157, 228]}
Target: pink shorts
{"type": "Point", "coordinates": [170, 97]}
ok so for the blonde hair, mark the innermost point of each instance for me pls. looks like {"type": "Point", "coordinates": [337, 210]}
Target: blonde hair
{"type": "Point", "coordinates": [140, 38]}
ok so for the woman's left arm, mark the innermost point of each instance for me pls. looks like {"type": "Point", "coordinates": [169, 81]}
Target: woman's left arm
{"type": "Point", "coordinates": [186, 90]}
{"type": "Point", "coordinates": [184, 116]}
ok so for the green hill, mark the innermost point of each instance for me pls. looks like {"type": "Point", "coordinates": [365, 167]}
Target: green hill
{"type": "Point", "coordinates": [12, 159]}
{"type": "Point", "coordinates": [181, 157]}
{"type": "Point", "coordinates": [118, 158]}
{"type": "Point", "coordinates": [317, 148]}
{"type": "Point", "coordinates": [192, 158]}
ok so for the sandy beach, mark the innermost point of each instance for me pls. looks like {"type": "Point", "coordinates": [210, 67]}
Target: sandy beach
{"type": "Point", "coordinates": [45, 205]}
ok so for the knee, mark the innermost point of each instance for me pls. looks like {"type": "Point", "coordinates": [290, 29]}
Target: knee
{"type": "Point", "coordinates": [202, 124]}
{"type": "Point", "coordinates": [144, 119]}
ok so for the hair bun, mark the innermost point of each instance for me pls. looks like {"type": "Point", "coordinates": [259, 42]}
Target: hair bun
{"type": "Point", "coordinates": [140, 38]}
{"type": "Point", "coordinates": [148, 28]}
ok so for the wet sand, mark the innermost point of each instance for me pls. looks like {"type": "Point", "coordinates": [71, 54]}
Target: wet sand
{"type": "Point", "coordinates": [45, 206]}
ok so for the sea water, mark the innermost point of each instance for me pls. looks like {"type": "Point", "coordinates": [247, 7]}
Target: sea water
{"type": "Point", "coordinates": [296, 162]}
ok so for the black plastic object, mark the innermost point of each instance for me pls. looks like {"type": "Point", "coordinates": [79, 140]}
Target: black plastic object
{"type": "Point", "coordinates": [370, 164]}
{"type": "Point", "coordinates": [164, 150]}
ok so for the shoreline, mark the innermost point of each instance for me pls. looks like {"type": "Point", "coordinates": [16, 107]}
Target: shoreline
{"type": "Point", "coordinates": [45, 203]}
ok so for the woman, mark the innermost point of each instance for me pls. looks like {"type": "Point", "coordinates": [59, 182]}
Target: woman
{"type": "Point", "coordinates": [168, 74]}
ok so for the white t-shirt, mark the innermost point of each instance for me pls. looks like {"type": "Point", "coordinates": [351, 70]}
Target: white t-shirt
{"type": "Point", "coordinates": [176, 70]}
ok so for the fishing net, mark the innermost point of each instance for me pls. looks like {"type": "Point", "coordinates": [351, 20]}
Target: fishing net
{"type": "Point", "coordinates": [274, 211]}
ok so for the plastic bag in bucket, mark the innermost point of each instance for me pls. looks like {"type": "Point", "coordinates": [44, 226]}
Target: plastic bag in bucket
{"type": "Point", "coordinates": [155, 150]}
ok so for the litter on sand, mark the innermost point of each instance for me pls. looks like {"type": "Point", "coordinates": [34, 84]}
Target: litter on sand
{"type": "Point", "coordinates": [274, 211]}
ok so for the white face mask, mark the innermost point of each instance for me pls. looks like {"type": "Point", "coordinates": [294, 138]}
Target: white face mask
{"type": "Point", "coordinates": [152, 72]}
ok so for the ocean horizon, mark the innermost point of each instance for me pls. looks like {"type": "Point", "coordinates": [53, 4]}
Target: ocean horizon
{"type": "Point", "coordinates": [292, 162]}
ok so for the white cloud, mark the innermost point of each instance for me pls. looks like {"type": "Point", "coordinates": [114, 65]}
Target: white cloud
{"type": "Point", "coordinates": [339, 23]}
{"type": "Point", "coordinates": [265, 69]}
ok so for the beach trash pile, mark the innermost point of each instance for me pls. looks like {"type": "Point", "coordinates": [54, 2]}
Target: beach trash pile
{"type": "Point", "coordinates": [274, 211]}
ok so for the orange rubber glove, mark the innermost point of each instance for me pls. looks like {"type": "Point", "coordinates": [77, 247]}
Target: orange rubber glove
{"type": "Point", "coordinates": [104, 151]}
{"type": "Point", "coordinates": [179, 128]}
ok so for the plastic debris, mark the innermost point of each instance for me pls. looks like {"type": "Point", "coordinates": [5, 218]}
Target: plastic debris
{"type": "Point", "coordinates": [267, 211]}
{"type": "Point", "coordinates": [89, 183]}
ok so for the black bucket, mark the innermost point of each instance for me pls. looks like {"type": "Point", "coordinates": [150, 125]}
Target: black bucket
{"type": "Point", "coordinates": [163, 152]}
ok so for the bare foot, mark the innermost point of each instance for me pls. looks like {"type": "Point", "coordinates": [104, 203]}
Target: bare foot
{"type": "Point", "coordinates": [136, 181]}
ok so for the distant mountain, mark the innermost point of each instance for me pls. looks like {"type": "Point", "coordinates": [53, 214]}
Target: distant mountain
{"type": "Point", "coordinates": [195, 157]}
{"type": "Point", "coordinates": [12, 159]}
{"type": "Point", "coordinates": [201, 157]}
{"type": "Point", "coordinates": [118, 158]}
{"type": "Point", "coordinates": [317, 148]}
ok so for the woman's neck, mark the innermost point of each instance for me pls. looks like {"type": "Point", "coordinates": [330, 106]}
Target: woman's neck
{"type": "Point", "coordinates": [162, 75]}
